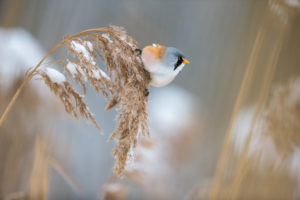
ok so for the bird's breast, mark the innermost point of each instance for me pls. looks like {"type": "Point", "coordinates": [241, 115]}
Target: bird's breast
{"type": "Point", "coordinates": [161, 75]}
{"type": "Point", "coordinates": [159, 80]}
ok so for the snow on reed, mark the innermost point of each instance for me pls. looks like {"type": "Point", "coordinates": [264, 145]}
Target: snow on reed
{"type": "Point", "coordinates": [73, 69]}
{"type": "Point", "coordinates": [107, 37]}
{"type": "Point", "coordinates": [81, 49]}
{"type": "Point", "coordinates": [54, 75]}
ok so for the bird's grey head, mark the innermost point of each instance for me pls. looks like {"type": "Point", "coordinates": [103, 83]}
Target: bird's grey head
{"type": "Point", "coordinates": [173, 57]}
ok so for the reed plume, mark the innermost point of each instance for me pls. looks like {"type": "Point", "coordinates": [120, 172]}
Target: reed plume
{"type": "Point", "coordinates": [272, 154]}
{"type": "Point", "coordinates": [124, 83]}
{"type": "Point", "coordinates": [282, 117]}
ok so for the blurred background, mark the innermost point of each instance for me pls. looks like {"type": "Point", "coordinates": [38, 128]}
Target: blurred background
{"type": "Point", "coordinates": [228, 127]}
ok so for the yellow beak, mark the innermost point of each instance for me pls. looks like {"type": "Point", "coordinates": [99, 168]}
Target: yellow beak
{"type": "Point", "coordinates": [185, 61]}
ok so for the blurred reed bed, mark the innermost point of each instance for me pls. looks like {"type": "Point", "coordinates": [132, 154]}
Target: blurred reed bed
{"type": "Point", "coordinates": [240, 176]}
{"type": "Point", "coordinates": [16, 142]}
{"type": "Point", "coordinates": [271, 169]}
{"type": "Point", "coordinates": [25, 153]}
{"type": "Point", "coordinates": [44, 160]}
{"type": "Point", "coordinates": [25, 139]}
{"type": "Point", "coordinates": [39, 178]}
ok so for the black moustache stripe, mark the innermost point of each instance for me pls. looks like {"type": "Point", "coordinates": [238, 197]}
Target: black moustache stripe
{"type": "Point", "coordinates": [178, 63]}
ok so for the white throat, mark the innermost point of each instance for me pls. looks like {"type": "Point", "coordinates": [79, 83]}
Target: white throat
{"type": "Point", "coordinates": [161, 74]}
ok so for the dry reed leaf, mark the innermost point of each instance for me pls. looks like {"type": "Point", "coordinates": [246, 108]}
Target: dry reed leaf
{"type": "Point", "coordinates": [17, 139]}
{"type": "Point", "coordinates": [39, 179]}
{"type": "Point", "coordinates": [65, 174]}
{"type": "Point", "coordinates": [125, 83]}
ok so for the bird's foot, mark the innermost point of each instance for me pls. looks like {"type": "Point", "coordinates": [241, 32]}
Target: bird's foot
{"type": "Point", "coordinates": [138, 52]}
{"type": "Point", "coordinates": [146, 92]}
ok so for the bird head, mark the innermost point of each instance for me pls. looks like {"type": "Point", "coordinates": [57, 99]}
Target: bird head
{"type": "Point", "coordinates": [168, 56]}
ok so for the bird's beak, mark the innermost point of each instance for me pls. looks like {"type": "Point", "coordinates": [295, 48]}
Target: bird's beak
{"type": "Point", "coordinates": [185, 61]}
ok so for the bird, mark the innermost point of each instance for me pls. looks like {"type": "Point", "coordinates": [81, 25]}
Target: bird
{"type": "Point", "coordinates": [163, 63]}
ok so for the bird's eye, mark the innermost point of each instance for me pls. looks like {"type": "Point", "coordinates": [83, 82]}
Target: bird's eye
{"type": "Point", "coordinates": [178, 63]}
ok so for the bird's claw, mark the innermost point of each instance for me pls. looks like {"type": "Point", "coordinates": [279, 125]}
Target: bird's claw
{"type": "Point", "coordinates": [146, 92]}
{"type": "Point", "coordinates": [138, 52]}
